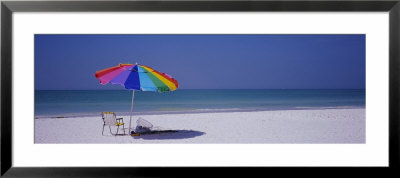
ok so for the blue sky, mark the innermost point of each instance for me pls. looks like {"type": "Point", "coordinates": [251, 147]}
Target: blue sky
{"type": "Point", "coordinates": [68, 62]}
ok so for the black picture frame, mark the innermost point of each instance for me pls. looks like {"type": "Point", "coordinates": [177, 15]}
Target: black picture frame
{"type": "Point", "coordinates": [8, 7]}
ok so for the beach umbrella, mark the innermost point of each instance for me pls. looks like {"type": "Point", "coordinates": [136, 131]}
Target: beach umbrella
{"type": "Point", "coordinates": [137, 77]}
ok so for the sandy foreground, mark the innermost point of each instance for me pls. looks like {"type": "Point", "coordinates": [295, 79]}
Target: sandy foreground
{"type": "Point", "coordinates": [284, 126]}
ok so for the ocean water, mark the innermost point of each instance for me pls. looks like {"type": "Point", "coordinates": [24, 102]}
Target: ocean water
{"type": "Point", "coordinates": [72, 103]}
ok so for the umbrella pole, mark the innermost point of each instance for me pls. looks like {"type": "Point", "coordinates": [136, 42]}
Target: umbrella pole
{"type": "Point", "coordinates": [130, 119]}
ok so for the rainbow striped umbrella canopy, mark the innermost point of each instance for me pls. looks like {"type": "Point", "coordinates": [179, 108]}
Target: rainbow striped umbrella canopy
{"type": "Point", "coordinates": [137, 77]}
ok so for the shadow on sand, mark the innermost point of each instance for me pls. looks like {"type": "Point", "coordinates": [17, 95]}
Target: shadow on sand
{"type": "Point", "coordinates": [169, 134]}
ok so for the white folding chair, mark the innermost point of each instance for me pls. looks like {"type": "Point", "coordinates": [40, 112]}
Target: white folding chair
{"type": "Point", "coordinates": [111, 119]}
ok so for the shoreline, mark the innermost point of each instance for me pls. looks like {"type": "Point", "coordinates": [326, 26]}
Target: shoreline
{"type": "Point", "coordinates": [197, 111]}
{"type": "Point", "coordinates": [323, 126]}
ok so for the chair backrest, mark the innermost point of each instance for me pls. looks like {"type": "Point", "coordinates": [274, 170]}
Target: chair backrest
{"type": "Point", "coordinates": [109, 118]}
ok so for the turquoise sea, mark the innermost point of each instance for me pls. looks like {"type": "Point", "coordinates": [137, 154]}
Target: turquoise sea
{"type": "Point", "coordinates": [71, 103]}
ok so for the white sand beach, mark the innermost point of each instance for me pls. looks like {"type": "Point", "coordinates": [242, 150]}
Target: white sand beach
{"type": "Point", "coordinates": [281, 126]}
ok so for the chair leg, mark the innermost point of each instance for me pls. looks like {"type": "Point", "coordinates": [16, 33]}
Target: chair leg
{"type": "Point", "coordinates": [110, 129]}
{"type": "Point", "coordinates": [117, 131]}
{"type": "Point", "coordinates": [102, 132]}
{"type": "Point", "coordinates": [123, 127]}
